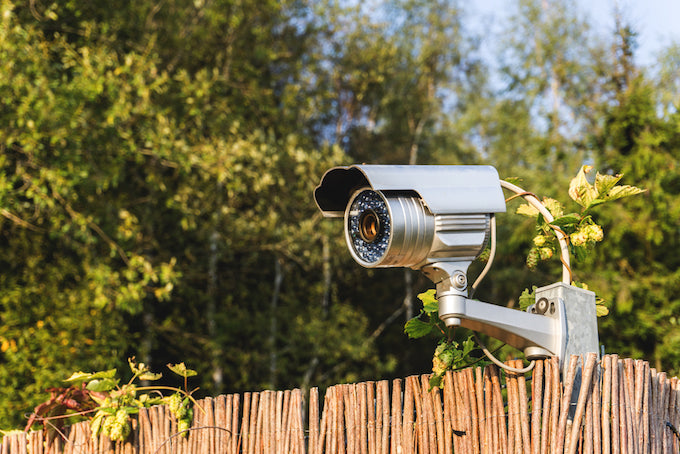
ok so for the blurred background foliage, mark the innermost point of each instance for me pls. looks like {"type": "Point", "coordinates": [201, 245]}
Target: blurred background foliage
{"type": "Point", "coordinates": [158, 160]}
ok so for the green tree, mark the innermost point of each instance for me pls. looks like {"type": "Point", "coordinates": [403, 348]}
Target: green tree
{"type": "Point", "coordinates": [146, 196]}
{"type": "Point", "coordinates": [637, 273]}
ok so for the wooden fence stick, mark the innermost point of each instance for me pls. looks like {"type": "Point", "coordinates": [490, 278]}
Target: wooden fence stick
{"type": "Point", "coordinates": [438, 419]}
{"type": "Point", "coordinates": [510, 448]}
{"type": "Point", "coordinates": [481, 416]}
{"type": "Point", "coordinates": [499, 409]}
{"type": "Point", "coordinates": [606, 403]}
{"type": "Point", "coordinates": [299, 421]}
{"type": "Point", "coordinates": [588, 429]}
{"type": "Point", "coordinates": [596, 404]}
{"type": "Point", "coordinates": [420, 438]}
{"type": "Point", "coordinates": [536, 406]}
{"type": "Point", "coordinates": [385, 420]}
{"type": "Point", "coordinates": [329, 428]}
{"type": "Point", "coordinates": [408, 425]}
{"type": "Point", "coordinates": [628, 441]}
{"type": "Point", "coordinates": [340, 434]}
{"type": "Point", "coordinates": [428, 413]}
{"type": "Point", "coordinates": [675, 414]}
{"type": "Point", "coordinates": [259, 422]}
{"type": "Point", "coordinates": [447, 415]}
{"type": "Point", "coordinates": [396, 439]}
{"type": "Point", "coordinates": [629, 396]}
{"type": "Point", "coordinates": [514, 424]}
{"type": "Point", "coordinates": [363, 418]}
{"type": "Point", "coordinates": [566, 403]}
{"type": "Point", "coordinates": [556, 400]}
{"type": "Point", "coordinates": [350, 418]}
{"type": "Point", "coordinates": [474, 416]}
{"type": "Point", "coordinates": [616, 423]}
{"type": "Point", "coordinates": [637, 373]}
{"type": "Point", "coordinates": [378, 415]}
{"type": "Point", "coordinates": [463, 409]}
{"type": "Point", "coordinates": [452, 411]}
{"type": "Point", "coordinates": [663, 411]}
{"type": "Point", "coordinates": [523, 408]}
{"type": "Point", "coordinates": [646, 435]}
{"type": "Point", "coordinates": [489, 423]}
{"type": "Point", "coordinates": [370, 416]}
{"type": "Point", "coordinates": [547, 402]}
{"type": "Point", "coordinates": [653, 411]}
{"type": "Point", "coordinates": [586, 378]}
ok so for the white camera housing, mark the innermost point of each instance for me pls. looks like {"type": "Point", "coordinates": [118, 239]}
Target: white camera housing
{"type": "Point", "coordinates": [413, 216]}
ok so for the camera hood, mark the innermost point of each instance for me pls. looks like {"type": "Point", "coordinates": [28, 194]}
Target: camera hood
{"type": "Point", "coordinates": [444, 189]}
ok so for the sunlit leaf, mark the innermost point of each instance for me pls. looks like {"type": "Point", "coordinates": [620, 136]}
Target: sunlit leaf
{"type": "Point", "coordinates": [580, 190]}
{"type": "Point", "coordinates": [181, 370]}
{"type": "Point", "coordinates": [149, 376]}
{"type": "Point", "coordinates": [101, 385]}
{"type": "Point", "coordinates": [79, 377]}
{"type": "Point", "coordinates": [527, 210]}
{"type": "Point", "coordinates": [601, 310]}
{"type": "Point", "coordinates": [429, 300]}
{"type": "Point", "coordinates": [567, 219]}
{"type": "Point", "coordinates": [619, 192]}
{"type": "Point", "coordinates": [416, 328]}
{"type": "Point", "coordinates": [527, 298]}
{"type": "Point", "coordinates": [604, 183]}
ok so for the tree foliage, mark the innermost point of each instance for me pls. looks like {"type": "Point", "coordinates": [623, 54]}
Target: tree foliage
{"type": "Point", "coordinates": [157, 161]}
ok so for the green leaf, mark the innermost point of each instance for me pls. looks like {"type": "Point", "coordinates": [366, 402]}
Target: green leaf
{"type": "Point", "coordinates": [150, 376]}
{"type": "Point", "coordinates": [416, 328]}
{"type": "Point", "coordinates": [604, 183]}
{"type": "Point", "coordinates": [527, 210]}
{"type": "Point", "coordinates": [567, 219]}
{"type": "Point", "coordinates": [105, 374]}
{"type": "Point", "coordinates": [78, 377]}
{"type": "Point", "coordinates": [619, 192]}
{"type": "Point", "coordinates": [181, 370]}
{"type": "Point", "coordinates": [435, 381]}
{"type": "Point", "coordinates": [102, 385]}
{"type": "Point", "coordinates": [527, 298]}
{"type": "Point", "coordinates": [580, 190]}
{"type": "Point", "coordinates": [429, 300]}
{"type": "Point", "coordinates": [601, 310]}
{"type": "Point", "coordinates": [96, 424]}
{"type": "Point", "coordinates": [514, 180]}
{"type": "Point", "coordinates": [468, 346]}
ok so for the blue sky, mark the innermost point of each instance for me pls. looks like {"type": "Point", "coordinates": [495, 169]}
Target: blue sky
{"type": "Point", "coordinates": [657, 21]}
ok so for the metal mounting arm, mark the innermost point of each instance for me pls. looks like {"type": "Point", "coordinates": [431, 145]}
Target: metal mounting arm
{"type": "Point", "coordinates": [537, 335]}
{"type": "Point", "coordinates": [562, 322]}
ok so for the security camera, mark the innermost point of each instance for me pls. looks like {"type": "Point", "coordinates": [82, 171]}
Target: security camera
{"type": "Point", "coordinates": [429, 218]}
{"type": "Point", "coordinates": [438, 219]}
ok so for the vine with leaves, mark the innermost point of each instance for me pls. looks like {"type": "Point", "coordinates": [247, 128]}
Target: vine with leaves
{"type": "Point", "coordinates": [100, 398]}
{"type": "Point", "coordinates": [582, 233]}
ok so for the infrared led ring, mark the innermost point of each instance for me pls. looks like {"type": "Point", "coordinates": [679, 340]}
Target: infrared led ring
{"type": "Point", "coordinates": [368, 226]}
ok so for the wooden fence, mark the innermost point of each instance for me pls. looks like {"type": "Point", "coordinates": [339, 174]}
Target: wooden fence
{"type": "Point", "coordinates": [621, 406]}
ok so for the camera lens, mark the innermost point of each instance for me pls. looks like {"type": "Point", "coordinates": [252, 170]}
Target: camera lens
{"type": "Point", "coordinates": [388, 228]}
{"type": "Point", "coordinates": [369, 226]}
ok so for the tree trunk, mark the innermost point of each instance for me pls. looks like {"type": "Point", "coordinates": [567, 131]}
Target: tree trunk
{"type": "Point", "coordinates": [215, 350]}
{"type": "Point", "coordinates": [273, 323]}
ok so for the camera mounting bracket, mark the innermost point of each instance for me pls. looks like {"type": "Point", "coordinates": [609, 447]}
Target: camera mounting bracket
{"type": "Point", "coordinates": [562, 321]}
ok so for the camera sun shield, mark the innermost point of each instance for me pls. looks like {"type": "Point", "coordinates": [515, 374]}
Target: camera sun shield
{"type": "Point", "coordinates": [442, 189]}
